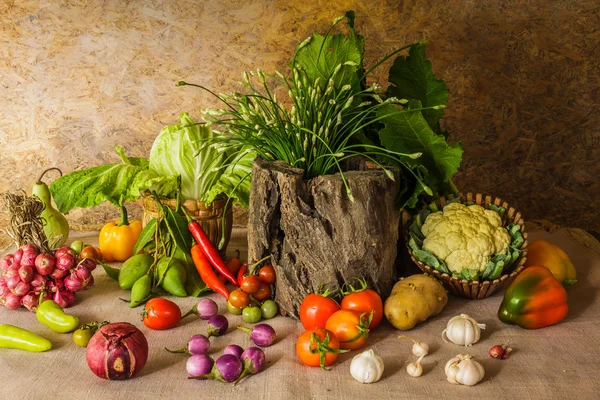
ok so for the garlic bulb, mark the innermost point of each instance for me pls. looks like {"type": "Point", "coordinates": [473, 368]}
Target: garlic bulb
{"type": "Point", "coordinates": [415, 369]}
{"type": "Point", "coordinates": [464, 370]}
{"type": "Point", "coordinates": [366, 367]}
{"type": "Point", "coordinates": [462, 330]}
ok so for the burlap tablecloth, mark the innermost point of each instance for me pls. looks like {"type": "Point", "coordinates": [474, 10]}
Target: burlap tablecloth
{"type": "Point", "coordinates": [559, 362]}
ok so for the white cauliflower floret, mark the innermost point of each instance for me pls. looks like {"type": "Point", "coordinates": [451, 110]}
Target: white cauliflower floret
{"type": "Point", "coordinates": [430, 222]}
{"type": "Point", "coordinates": [465, 237]}
{"type": "Point", "coordinates": [501, 240]}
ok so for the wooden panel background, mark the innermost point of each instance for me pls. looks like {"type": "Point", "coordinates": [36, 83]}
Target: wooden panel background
{"type": "Point", "coordinates": [77, 77]}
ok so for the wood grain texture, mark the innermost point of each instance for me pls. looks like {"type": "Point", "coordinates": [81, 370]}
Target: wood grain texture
{"type": "Point", "coordinates": [77, 77]}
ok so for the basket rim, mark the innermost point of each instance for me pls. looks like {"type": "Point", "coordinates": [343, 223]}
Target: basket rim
{"type": "Point", "coordinates": [514, 271]}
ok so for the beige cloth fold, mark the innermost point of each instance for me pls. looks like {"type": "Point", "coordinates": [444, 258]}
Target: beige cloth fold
{"type": "Point", "coordinates": [559, 362]}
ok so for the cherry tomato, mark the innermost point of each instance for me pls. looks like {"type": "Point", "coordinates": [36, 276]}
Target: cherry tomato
{"type": "Point", "coordinates": [365, 301]}
{"type": "Point", "coordinates": [239, 299]}
{"type": "Point", "coordinates": [315, 310]}
{"type": "Point", "coordinates": [263, 293]}
{"type": "Point", "coordinates": [251, 315]}
{"type": "Point", "coordinates": [91, 252]}
{"type": "Point", "coordinates": [161, 314]}
{"type": "Point", "coordinates": [82, 336]}
{"type": "Point", "coordinates": [233, 310]}
{"type": "Point", "coordinates": [267, 274]}
{"type": "Point", "coordinates": [324, 342]}
{"type": "Point", "coordinates": [250, 284]}
{"type": "Point", "coordinates": [268, 309]}
{"type": "Point", "coordinates": [350, 327]}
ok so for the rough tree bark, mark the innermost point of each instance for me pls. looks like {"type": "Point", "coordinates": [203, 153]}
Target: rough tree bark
{"type": "Point", "coordinates": [316, 235]}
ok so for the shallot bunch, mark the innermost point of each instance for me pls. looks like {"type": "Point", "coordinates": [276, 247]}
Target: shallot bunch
{"type": "Point", "coordinates": [28, 275]}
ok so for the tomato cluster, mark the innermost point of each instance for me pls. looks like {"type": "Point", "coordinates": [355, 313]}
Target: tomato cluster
{"type": "Point", "coordinates": [333, 328]}
{"type": "Point", "coordinates": [253, 300]}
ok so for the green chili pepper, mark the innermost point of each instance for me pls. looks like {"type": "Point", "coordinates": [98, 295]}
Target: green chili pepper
{"type": "Point", "coordinates": [52, 315]}
{"type": "Point", "coordinates": [13, 337]}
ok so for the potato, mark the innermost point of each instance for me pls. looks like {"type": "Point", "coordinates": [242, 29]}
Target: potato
{"type": "Point", "coordinates": [413, 300]}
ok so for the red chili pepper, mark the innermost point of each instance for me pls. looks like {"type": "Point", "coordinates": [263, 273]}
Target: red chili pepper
{"type": "Point", "coordinates": [209, 250]}
{"type": "Point", "coordinates": [206, 272]}
{"type": "Point", "coordinates": [242, 272]}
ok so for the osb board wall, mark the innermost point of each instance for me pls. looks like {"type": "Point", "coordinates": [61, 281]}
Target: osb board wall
{"type": "Point", "coordinates": [78, 77]}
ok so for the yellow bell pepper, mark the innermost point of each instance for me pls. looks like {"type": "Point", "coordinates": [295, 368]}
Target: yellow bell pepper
{"type": "Point", "coordinates": [117, 239]}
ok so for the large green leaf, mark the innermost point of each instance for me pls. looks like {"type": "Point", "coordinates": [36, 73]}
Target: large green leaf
{"type": "Point", "coordinates": [324, 54]}
{"type": "Point", "coordinates": [115, 183]}
{"type": "Point", "coordinates": [412, 78]}
{"type": "Point", "coordinates": [408, 132]}
{"type": "Point", "coordinates": [235, 180]}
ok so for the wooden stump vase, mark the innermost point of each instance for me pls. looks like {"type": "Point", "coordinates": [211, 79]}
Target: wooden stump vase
{"type": "Point", "coordinates": [316, 235]}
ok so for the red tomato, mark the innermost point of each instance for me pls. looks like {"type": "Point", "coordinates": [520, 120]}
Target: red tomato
{"type": "Point", "coordinates": [161, 314]}
{"type": "Point", "coordinates": [239, 299]}
{"type": "Point", "coordinates": [365, 301]}
{"type": "Point", "coordinates": [250, 284]}
{"type": "Point", "coordinates": [263, 293]}
{"type": "Point", "coordinates": [233, 265]}
{"type": "Point", "coordinates": [324, 341]}
{"type": "Point", "coordinates": [350, 327]}
{"type": "Point", "coordinates": [315, 310]}
{"type": "Point", "coordinates": [267, 274]}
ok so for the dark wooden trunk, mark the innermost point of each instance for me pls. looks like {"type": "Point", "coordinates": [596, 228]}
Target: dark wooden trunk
{"type": "Point", "coordinates": [316, 235]}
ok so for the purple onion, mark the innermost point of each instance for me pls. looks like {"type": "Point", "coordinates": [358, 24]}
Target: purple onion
{"type": "Point", "coordinates": [38, 280]}
{"type": "Point", "coordinates": [217, 326]}
{"type": "Point", "coordinates": [11, 301]}
{"type": "Point", "coordinates": [45, 263]}
{"type": "Point", "coordinates": [17, 257]}
{"type": "Point", "coordinates": [61, 251]}
{"type": "Point", "coordinates": [30, 301]}
{"type": "Point", "coordinates": [83, 272]}
{"type": "Point", "coordinates": [26, 273]}
{"type": "Point", "coordinates": [64, 298]}
{"type": "Point", "coordinates": [205, 309]}
{"type": "Point", "coordinates": [262, 335]}
{"type": "Point", "coordinates": [229, 367]}
{"type": "Point", "coordinates": [198, 365]}
{"type": "Point", "coordinates": [21, 289]}
{"type": "Point", "coordinates": [29, 259]}
{"type": "Point", "coordinates": [7, 261]}
{"type": "Point", "coordinates": [198, 344]}
{"type": "Point", "coordinates": [65, 262]}
{"type": "Point", "coordinates": [59, 273]}
{"type": "Point", "coordinates": [253, 359]}
{"type": "Point", "coordinates": [233, 349]}
{"type": "Point", "coordinates": [29, 248]}
{"type": "Point", "coordinates": [12, 281]}
{"type": "Point", "coordinates": [73, 283]}
{"type": "Point", "coordinates": [88, 283]}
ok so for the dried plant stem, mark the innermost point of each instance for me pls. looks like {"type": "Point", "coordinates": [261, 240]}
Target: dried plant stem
{"type": "Point", "coordinates": [26, 225]}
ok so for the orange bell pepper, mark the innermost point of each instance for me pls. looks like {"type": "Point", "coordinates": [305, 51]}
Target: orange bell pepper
{"type": "Point", "coordinates": [534, 300]}
{"type": "Point", "coordinates": [117, 239]}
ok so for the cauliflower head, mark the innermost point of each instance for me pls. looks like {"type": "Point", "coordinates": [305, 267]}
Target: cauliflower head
{"type": "Point", "coordinates": [465, 237]}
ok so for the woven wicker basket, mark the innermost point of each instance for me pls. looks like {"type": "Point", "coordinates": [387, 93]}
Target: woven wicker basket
{"type": "Point", "coordinates": [210, 218]}
{"type": "Point", "coordinates": [475, 289]}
